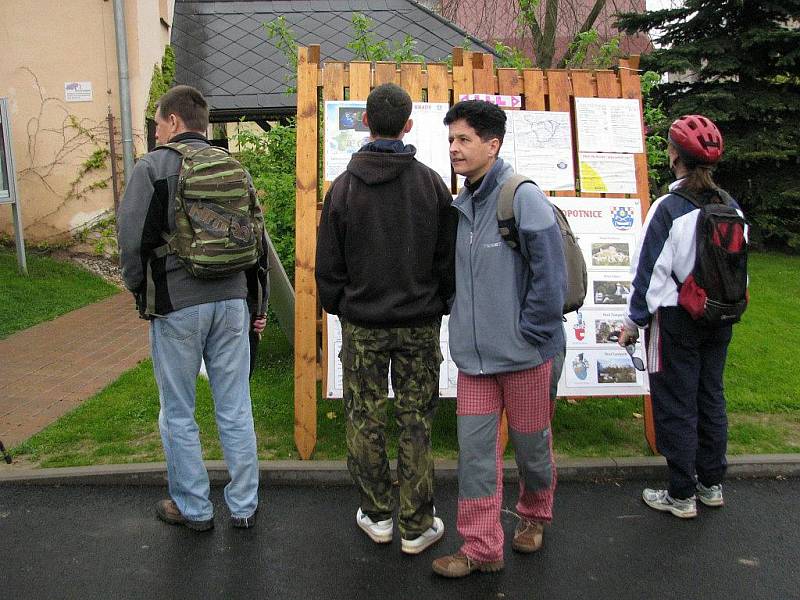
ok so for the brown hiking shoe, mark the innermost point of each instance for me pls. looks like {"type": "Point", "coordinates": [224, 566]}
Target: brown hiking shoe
{"type": "Point", "coordinates": [167, 511]}
{"type": "Point", "coordinates": [461, 565]}
{"type": "Point", "coordinates": [528, 536]}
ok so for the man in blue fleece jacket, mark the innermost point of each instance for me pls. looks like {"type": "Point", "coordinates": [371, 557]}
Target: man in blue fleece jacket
{"type": "Point", "coordinates": [505, 329]}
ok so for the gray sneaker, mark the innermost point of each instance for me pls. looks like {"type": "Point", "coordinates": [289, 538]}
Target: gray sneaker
{"type": "Point", "coordinates": [710, 496]}
{"type": "Point", "coordinates": [661, 500]}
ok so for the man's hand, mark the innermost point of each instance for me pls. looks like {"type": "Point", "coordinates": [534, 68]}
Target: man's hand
{"type": "Point", "coordinates": [259, 323]}
{"type": "Point", "coordinates": [629, 333]}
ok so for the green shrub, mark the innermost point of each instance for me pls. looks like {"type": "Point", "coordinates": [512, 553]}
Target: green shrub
{"type": "Point", "coordinates": [270, 158]}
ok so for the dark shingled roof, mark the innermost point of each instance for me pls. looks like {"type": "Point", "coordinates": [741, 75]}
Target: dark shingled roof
{"type": "Point", "coordinates": [222, 48]}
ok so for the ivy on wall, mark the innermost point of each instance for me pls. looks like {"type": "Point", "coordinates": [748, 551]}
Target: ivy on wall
{"type": "Point", "coordinates": [162, 79]}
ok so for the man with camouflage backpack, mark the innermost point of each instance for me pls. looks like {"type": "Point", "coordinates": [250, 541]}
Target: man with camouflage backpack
{"type": "Point", "coordinates": [191, 249]}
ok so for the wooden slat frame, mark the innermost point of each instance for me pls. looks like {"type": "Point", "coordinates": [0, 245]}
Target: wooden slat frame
{"type": "Point", "coordinates": [470, 73]}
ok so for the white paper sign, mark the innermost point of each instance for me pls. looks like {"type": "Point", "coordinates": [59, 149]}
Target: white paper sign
{"type": "Point", "coordinates": [345, 134]}
{"type": "Point", "coordinates": [609, 125]}
{"type": "Point", "coordinates": [448, 372]}
{"type": "Point", "coordinates": [78, 91]}
{"type": "Point", "coordinates": [607, 173]}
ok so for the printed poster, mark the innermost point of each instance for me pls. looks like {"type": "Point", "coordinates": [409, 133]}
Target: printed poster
{"type": "Point", "coordinates": [345, 133]}
{"type": "Point", "coordinates": [609, 125]}
{"type": "Point", "coordinates": [607, 230]}
{"type": "Point", "coordinates": [607, 173]}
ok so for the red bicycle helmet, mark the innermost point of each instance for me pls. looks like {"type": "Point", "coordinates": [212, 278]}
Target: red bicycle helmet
{"type": "Point", "coordinates": [697, 139]}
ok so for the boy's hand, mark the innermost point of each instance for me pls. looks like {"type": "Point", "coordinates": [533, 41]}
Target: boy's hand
{"type": "Point", "coordinates": [259, 323]}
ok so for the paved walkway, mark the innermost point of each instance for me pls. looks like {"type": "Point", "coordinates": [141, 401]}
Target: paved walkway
{"type": "Point", "coordinates": [49, 369]}
{"type": "Point", "coordinates": [604, 544]}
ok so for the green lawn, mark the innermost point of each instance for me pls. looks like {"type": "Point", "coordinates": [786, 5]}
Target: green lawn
{"type": "Point", "coordinates": [119, 424]}
{"type": "Point", "coordinates": [52, 288]}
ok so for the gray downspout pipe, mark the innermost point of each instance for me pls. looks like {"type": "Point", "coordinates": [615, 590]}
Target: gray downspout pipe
{"type": "Point", "coordinates": [124, 88]}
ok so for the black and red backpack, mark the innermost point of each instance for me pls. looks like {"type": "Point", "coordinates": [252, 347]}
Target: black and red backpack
{"type": "Point", "coordinates": [715, 292]}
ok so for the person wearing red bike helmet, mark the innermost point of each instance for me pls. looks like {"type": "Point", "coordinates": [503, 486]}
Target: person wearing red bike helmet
{"type": "Point", "coordinates": [686, 358]}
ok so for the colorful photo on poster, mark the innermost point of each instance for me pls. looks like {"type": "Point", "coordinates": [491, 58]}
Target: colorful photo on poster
{"type": "Point", "coordinates": [611, 254]}
{"type": "Point", "coordinates": [352, 118]}
{"type": "Point", "coordinates": [605, 327]}
{"type": "Point", "coordinates": [615, 370]}
{"type": "Point", "coordinates": [611, 292]}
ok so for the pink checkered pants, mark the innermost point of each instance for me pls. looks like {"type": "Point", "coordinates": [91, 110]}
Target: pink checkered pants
{"type": "Point", "coordinates": [525, 397]}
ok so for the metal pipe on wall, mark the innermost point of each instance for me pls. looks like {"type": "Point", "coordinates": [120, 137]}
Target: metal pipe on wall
{"type": "Point", "coordinates": [124, 88]}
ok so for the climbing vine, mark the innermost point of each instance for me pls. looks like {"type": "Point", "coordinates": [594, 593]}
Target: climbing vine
{"type": "Point", "coordinates": [72, 139]}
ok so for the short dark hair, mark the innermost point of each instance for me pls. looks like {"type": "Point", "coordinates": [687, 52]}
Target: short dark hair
{"type": "Point", "coordinates": [388, 109]}
{"type": "Point", "coordinates": [188, 103]}
{"type": "Point", "coordinates": [487, 119]}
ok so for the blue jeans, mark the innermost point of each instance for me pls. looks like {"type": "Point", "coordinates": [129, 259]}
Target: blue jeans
{"type": "Point", "coordinates": [218, 333]}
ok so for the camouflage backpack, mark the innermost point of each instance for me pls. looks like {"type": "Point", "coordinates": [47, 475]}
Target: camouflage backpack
{"type": "Point", "coordinates": [219, 224]}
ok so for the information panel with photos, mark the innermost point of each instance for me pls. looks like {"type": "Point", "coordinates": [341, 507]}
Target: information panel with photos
{"type": "Point", "coordinates": [608, 231]}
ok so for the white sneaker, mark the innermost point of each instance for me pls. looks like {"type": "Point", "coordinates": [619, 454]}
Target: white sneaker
{"type": "Point", "coordinates": [425, 540]}
{"type": "Point", "coordinates": [380, 532]}
{"type": "Point", "coordinates": [661, 500]}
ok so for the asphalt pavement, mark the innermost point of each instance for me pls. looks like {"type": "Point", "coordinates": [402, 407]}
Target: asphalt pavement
{"type": "Point", "coordinates": [105, 542]}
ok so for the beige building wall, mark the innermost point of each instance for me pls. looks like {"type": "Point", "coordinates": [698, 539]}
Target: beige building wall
{"type": "Point", "coordinates": [44, 45]}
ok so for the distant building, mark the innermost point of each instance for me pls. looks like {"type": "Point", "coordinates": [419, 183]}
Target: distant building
{"type": "Point", "coordinates": [496, 20]}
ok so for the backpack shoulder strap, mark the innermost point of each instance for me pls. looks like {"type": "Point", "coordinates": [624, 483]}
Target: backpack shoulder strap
{"type": "Point", "coordinates": [185, 149]}
{"type": "Point", "coordinates": [687, 195]}
{"type": "Point", "coordinates": [179, 147]}
{"type": "Point", "coordinates": [724, 196]}
{"type": "Point", "coordinates": [505, 209]}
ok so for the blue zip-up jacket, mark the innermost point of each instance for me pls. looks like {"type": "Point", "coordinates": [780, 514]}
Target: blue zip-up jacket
{"type": "Point", "coordinates": [668, 245]}
{"type": "Point", "coordinates": [506, 314]}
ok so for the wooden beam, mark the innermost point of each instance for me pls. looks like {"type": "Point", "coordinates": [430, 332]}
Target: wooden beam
{"type": "Point", "coordinates": [305, 346]}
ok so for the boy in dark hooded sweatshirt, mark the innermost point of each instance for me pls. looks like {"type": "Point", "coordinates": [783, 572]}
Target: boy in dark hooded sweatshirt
{"type": "Point", "coordinates": [385, 252]}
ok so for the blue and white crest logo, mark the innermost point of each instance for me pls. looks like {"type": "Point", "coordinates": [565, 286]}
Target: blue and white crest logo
{"type": "Point", "coordinates": [622, 217]}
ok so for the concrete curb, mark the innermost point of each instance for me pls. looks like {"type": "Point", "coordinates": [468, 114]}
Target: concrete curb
{"type": "Point", "coordinates": [297, 472]}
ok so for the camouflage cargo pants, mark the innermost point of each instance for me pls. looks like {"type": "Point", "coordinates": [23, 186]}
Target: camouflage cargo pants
{"type": "Point", "coordinates": [415, 358]}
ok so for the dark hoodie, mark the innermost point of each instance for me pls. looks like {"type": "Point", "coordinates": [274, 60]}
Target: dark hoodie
{"type": "Point", "coordinates": [386, 240]}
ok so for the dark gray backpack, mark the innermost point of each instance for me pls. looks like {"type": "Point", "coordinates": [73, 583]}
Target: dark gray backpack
{"type": "Point", "coordinates": [576, 265]}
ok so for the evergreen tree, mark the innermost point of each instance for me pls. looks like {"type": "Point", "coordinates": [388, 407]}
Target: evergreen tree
{"type": "Point", "coordinates": [741, 62]}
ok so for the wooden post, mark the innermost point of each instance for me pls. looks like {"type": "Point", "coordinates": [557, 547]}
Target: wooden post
{"type": "Point", "coordinates": [631, 87]}
{"type": "Point", "coordinates": [305, 331]}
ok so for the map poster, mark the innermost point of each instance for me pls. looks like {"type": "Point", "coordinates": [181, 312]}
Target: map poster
{"type": "Point", "coordinates": [345, 133]}
{"type": "Point", "coordinates": [539, 144]}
